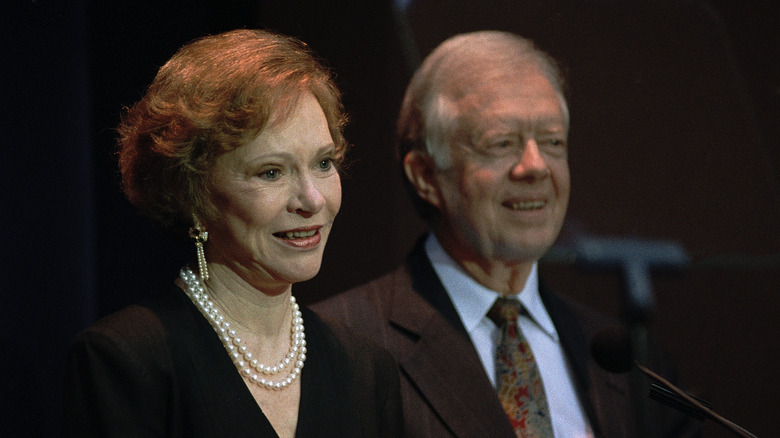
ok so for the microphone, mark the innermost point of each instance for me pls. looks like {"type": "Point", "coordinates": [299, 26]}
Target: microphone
{"type": "Point", "coordinates": [611, 349]}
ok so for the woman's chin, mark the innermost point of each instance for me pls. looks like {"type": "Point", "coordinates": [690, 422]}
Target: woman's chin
{"type": "Point", "coordinates": [303, 273]}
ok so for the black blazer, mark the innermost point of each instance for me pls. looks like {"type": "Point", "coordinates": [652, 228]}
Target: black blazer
{"type": "Point", "coordinates": [159, 370]}
{"type": "Point", "coordinates": [444, 388]}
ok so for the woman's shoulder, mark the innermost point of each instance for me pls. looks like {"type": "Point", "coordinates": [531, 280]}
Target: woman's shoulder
{"type": "Point", "coordinates": [143, 323]}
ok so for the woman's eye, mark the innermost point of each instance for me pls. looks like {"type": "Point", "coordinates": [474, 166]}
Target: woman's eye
{"type": "Point", "coordinates": [325, 164]}
{"type": "Point", "coordinates": [270, 174]}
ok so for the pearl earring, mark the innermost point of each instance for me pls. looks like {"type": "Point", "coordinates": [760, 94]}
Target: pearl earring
{"type": "Point", "coordinates": [200, 236]}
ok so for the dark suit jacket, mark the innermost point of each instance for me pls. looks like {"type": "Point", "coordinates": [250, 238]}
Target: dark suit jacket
{"type": "Point", "coordinates": [444, 388]}
{"type": "Point", "coordinates": [159, 370]}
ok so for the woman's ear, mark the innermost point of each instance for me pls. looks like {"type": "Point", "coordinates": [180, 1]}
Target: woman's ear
{"type": "Point", "coordinates": [196, 223]}
{"type": "Point", "coordinates": [421, 172]}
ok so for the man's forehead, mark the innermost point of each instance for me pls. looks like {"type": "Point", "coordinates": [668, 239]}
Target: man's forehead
{"type": "Point", "coordinates": [474, 74]}
{"type": "Point", "coordinates": [511, 110]}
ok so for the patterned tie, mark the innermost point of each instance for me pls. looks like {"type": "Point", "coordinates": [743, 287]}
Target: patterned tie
{"type": "Point", "coordinates": [520, 388]}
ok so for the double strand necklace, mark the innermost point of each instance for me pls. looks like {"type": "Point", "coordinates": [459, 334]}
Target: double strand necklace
{"type": "Point", "coordinates": [246, 362]}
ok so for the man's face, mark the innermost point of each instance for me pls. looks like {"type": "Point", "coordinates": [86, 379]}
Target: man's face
{"type": "Point", "coordinates": [504, 197]}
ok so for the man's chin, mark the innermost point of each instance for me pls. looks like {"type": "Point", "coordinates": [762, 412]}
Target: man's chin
{"type": "Point", "coordinates": [523, 252]}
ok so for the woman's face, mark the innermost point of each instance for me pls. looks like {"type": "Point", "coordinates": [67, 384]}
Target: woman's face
{"type": "Point", "coordinates": [276, 198]}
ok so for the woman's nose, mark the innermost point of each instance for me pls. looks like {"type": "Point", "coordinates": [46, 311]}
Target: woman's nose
{"type": "Point", "coordinates": [307, 199]}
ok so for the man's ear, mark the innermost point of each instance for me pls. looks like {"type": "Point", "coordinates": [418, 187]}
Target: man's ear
{"type": "Point", "coordinates": [421, 172]}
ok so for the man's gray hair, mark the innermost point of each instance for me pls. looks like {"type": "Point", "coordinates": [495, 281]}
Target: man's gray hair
{"type": "Point", "coordinates": [429, 109]}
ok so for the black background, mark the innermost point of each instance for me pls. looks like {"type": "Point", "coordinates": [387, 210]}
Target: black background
{"type": "Point", "coordinates": [675, 135]}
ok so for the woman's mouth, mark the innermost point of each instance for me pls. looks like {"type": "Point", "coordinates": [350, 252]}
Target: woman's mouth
{"type": "Point", "coordinates": [302, 239]}
{"type": "Point", "coordinates": [296, 234]}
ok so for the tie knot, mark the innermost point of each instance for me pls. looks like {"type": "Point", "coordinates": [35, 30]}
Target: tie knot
{"type": "Point", "coordinates": [505, 310]}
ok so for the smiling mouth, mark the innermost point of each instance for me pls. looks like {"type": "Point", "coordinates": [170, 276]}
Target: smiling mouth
{"type": "Point", "coordinates": [295, 234]}
{"type": "Point", "coordinates": [526, 205]}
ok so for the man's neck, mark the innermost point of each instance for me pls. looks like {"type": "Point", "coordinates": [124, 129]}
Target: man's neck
{"type": "Point", "coordinates": [506, 277]}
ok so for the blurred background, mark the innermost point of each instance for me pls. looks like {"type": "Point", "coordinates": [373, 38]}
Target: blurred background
{"type": "Point", "coordinates": [675, 135]}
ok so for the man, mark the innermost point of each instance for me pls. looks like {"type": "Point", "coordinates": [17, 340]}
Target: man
{"type": "Point", "coordinates": [482, 135]}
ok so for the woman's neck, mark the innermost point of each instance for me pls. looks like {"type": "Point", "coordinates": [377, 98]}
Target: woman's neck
{"type": "Point", "coordinates": [254, 312]}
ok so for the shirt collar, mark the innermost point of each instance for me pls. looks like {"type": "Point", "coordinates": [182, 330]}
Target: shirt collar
{"type": "Point", "coordinates": [473, 300]}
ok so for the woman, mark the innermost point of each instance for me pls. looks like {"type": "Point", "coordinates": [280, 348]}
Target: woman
{"type": "Point", "coordinates": [236, 142]}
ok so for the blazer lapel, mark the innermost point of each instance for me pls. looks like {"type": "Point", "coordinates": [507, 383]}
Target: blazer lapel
{"type": "Point", "coordinates": [442, 363]}
{"type": "Point", "coordinates": [604, 396]}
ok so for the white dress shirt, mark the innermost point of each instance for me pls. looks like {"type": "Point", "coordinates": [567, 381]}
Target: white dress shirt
{"type": "Point", "coordinates": [472, 302]}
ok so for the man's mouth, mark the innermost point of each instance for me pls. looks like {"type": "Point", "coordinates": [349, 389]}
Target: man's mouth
{"type": "Point", "coordinates": [525, 205]}
{"type": "Point", "coordinates": [295, 234]}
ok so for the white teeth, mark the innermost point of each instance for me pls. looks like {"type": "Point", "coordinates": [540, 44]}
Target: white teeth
{"type": "Point", "coordinates": [527, 205]}
{"type": "Point", "coordinates": [299, 234]}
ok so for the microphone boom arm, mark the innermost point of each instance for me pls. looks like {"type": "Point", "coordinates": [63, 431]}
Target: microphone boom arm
{"type": "Point", "coordinates": [698, 405]}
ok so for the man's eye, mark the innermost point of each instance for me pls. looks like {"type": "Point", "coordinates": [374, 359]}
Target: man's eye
{"type": "Point", "coordinates": [552, 141]}
{"type": "Point", "coordinates": [501, 147]}
{"type": "Point", "coordinates": [555, 147]}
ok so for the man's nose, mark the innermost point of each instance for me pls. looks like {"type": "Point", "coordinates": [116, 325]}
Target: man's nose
{"type": "Point", "coordinates": [531, 165]}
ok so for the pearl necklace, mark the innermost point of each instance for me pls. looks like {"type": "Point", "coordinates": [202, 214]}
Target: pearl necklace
{"type": "Point", "coordinates": [248, 366]}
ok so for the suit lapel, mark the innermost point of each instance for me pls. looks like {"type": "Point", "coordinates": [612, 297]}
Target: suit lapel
{"type": "Point", "coordinates": [603, 395]}
{"type": "Point", "coordinates": [442, 363]}
{"type": "Point", "coordinates": [444, 366]}
{"type": "Point", "coordinates": [573, 338]}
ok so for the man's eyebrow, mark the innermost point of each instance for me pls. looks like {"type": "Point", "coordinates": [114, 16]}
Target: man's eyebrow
{"type": "Point", "coordinates": [512, 124]}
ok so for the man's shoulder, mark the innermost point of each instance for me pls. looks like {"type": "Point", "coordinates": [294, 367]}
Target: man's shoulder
{"type": "Point", "coordinates": [375, 296]}
{"type": "Point", "coordinates": [373, 309]}
{"type": "Point", "coordinates": [338, 337]}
